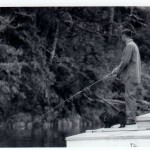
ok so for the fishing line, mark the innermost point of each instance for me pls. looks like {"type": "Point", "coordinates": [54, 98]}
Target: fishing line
{"type": "Point", "coordinates": [71, 98]}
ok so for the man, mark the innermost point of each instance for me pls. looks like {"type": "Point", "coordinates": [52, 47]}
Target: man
{"type": "Point", "coordinates": [130, 71]}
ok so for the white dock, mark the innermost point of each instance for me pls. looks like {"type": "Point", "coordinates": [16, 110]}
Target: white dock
{"type": "Point", "coordinates": [130, 136]}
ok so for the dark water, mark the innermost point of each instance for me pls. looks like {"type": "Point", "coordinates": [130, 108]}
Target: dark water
{"type": "Point", "coordinates": [38, 137]}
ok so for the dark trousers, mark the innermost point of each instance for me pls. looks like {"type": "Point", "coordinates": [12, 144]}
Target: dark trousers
{"type": "Point", "coordinates": [131, 96]}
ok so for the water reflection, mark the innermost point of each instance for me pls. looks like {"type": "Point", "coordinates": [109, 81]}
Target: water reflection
{"type": "Point", "coordinates": [39, 137]}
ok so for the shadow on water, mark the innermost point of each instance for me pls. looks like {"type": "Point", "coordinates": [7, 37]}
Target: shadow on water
{"type": "Point", "coordinates": [38, 137]}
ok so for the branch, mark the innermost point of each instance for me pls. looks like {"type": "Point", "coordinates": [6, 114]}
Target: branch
{"type": "Point", "coordinates": [146, 75]}
{"type": "Point", "coordinates": [106, 101]}
{"type": "Point", "coordinates": [23, 13]}
{"type": "Point", "coordinates": [90, 31]}
{"type": "Point", "coordinates": [95, 32]}
{"type": "Point", "coordinates": [5, 23]}
{"type": "Point", "coordinates": [115, 101]}
{"type": "Point", "coordinates": [143, 102]}
{"type": "Point", "coordinates": [15, 27]}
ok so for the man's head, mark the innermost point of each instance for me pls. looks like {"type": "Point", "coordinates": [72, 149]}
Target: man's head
{"type": "Point", "coordinates": [126, 34]}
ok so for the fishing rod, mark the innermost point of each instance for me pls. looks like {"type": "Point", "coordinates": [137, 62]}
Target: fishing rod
{"type": "Point", "coordinates": [71, 97]}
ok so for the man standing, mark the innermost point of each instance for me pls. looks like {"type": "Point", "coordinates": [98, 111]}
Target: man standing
{"type": "Point", "coordinates": [130, 70]}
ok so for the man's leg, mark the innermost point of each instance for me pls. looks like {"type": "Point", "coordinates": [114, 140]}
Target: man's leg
{"type": "Point", "coordinates": [130, 100]}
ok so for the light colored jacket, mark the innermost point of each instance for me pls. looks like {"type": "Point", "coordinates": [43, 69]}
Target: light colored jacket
{"type": "Point", "coordinates": [130, 66]}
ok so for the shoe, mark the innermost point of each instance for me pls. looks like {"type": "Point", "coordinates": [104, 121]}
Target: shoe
{"type": "Point", "coordinates": [130, 122]}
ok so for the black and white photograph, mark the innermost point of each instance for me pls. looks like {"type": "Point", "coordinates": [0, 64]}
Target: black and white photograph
{"type": "Point", "coordinates": [75, 76]}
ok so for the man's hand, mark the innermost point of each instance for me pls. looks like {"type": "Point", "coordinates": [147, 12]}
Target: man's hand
{"type": "Point", "coordinates": [114, 71]}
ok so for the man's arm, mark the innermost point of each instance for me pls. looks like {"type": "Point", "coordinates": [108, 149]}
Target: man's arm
{"type": "Point", "coordinates": [127, 54]}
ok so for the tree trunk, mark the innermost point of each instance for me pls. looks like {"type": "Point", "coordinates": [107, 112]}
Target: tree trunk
{"type": "Point", "coordinates": [120, 28]}
{"type": "Point", "coordinates": [131, 10]}
{"type": "Point", "coordinates": [148, 16]}
{"type": "Point", "coordinates": [55, 43]}
{"type": "Point", "coordinates": [112, 11]}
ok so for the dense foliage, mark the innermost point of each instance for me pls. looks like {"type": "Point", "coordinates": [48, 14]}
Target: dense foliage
{"type": "Point", "coordinates": [49, 54]}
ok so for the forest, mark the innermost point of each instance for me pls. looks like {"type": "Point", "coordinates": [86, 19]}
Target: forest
{"type": "Point", "coordinates": [50, 53]}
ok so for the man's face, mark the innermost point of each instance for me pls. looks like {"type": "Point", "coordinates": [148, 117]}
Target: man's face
{"type": "Point", "coordinates": [123, 37]}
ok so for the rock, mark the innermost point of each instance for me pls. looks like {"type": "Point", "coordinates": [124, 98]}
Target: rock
{"type": "Point", "coordinates": [29, 125]}
{"type": "Point", "coordinates": [76, 120]}
{"type": "Point", "coordinates": [96, 120]}
{"type": "Point", "coordinates": [49, 118]}
{"type": "Point", "coordinates": [46, 125]}
{"type": "Point", "coordinates": [64, 123]}
{"type": "Point", "coordinates": [21, 133]}
{"type": "Point", "coordinates": [37, 119]}
{"type": "Point", "coordinates": [37, 132]}
{"type": "Point", "coordinates": [22, 117]}
{"type": "Point", "coordinates": [18, 125]}
{"type": "Point", "coordinates": [55, 123]}
{"type": "Point", "coordinates": [89, 123]}
{"type": "Point", "coordinates": [59, 124]}
{"type": "Point", "coordinates": [85, 124]}
{"type": "Point", "coordinates": [69, 123]}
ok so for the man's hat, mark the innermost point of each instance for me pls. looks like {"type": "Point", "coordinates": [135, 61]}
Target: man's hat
{"type": "Point", "coordinates": [127, 32]}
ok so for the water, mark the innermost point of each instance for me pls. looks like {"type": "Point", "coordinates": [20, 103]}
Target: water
{"type": "Point", "coordinates": [38, 137]}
